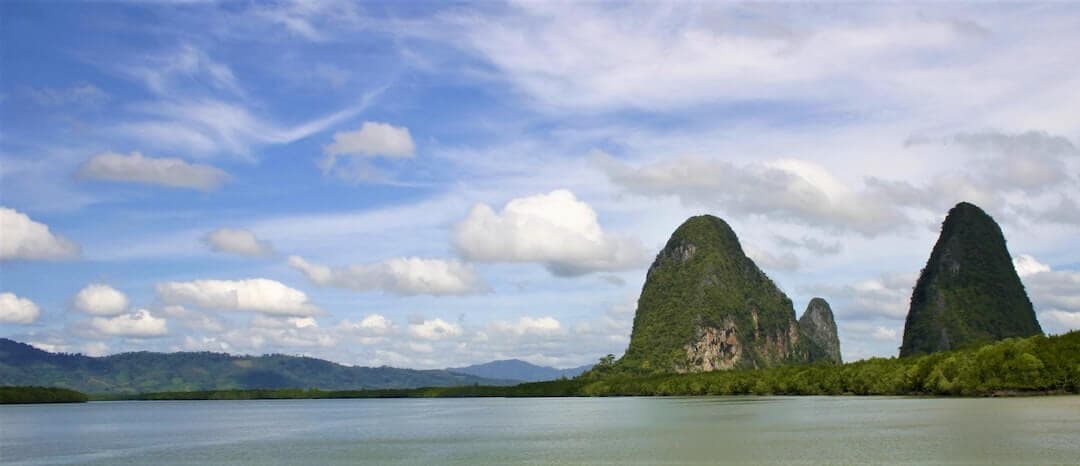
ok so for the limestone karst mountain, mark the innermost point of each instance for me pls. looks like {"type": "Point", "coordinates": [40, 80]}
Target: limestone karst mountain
{"type": "Point", "coordinates": [706, 306]}
{"type": "Point", "coordinates": [969, 291]}
{"type": "Point", "coordinates": [819, 329]}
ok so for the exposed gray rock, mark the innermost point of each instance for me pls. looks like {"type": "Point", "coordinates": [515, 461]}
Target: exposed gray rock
{"type": "Point", "coordinates": [819, 327]}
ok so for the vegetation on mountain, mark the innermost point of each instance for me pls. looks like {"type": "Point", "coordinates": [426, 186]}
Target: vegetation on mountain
{"type": "Point", "coordinates": [142, 372]}
{"type": "Point", "coordinates": [705, 306]}
{"type": "Point", "coordinates": [1032, 365]}
{"type": "Point", "coordinates": [969, 292]}
{"type": "Point", "coordinates": [29, 395]}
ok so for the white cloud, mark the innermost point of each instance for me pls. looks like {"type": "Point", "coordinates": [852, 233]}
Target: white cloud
{"type": "Point", "coordinates": [887, 296]}
{"type": "Point", "coordinates": [525, 325]}
{"type": "Point", "coordinates": [555, 229]}
{"type": "Point", "coordinates": [656, 57]}
{"type": "Point", "coordinates": [1032, 161]}
{"type": "Point", "coordinates": [1054, 293]}
{"type": "Point", "coordinates": [996, 163]}
{"type": "Point", "coordinates": [1026, 265]}
{"type": "Point", "coordinates": [872, 331]}
{"type": "Point", "coordinates": [374, 324]}
{"type": "Point", "coordinates": [16, 310]}
{"type": "Point", "coordinates": [434, 329]}
{"type": "Point", "coordinates": [785, 261]}
{"type": "Point", "coordinates": [402, 276]}
{"type": "Point", "coordinates": [273, 322]}
{"type": "Point", "coordinates": [785, 190]}
{"type": "Point", "coordinates": [168, 172]}
{"type": "Point", "coordinates": [237, 241]}
{"type": "Point", "coordinates": [1060, 321]}
{"type": "Point", "coordinates": [255, 294]}
{"type": "Point", "coordinates": [139, 324]}
{"type": "Point", "coordinates": [24, 238]}
{"type": "Point", "coordinates": [101, 300]}
{"type": "Point", "coordinates": [206, 126]}
{"type": "Point", "coordinates": [193, 319]}
{"type": "Point", "coordinates": [372, 140]}
{"type": "Point", "coordinates": [884, 334]}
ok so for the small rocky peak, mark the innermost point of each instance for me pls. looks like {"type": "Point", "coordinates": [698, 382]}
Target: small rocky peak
{"type": "Point", "coordinates": [819, 327]}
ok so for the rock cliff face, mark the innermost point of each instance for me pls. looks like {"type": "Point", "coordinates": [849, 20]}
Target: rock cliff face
{"type": "Point", "coordinates": [819, 330]}
{"type": "Point", "coordinates": [969, 291]}
{"type": "Point", "coordinates": [706, 306]}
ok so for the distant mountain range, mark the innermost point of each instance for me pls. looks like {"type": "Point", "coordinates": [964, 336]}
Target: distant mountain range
{"type": "Point", "coordinates": [516, 369]}
{"type": "Point", "coordinates": [143, 372]}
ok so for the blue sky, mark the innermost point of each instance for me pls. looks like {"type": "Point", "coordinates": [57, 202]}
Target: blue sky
{"type": "Point", "coordinates": [430, 185]}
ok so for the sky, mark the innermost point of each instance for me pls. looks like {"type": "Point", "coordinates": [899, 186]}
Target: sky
{"type": "Point", "coordinates": [432, 185]}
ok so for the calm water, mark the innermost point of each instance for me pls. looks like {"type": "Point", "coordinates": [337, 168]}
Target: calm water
{"type": "Point", "coordinates": [770, 430]}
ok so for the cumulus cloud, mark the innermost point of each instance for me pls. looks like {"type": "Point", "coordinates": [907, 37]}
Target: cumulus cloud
{"type": "Point", "coordinates": [193, 319]}
{"type": "Point", "coordinates": [1026, 265]}
{"type": "Point", "coordinates": [402, 276]}
{"type": "Point", "coordinates": [374, 324]}
{"type": "Point", "coordinates": [372, 140]}
{"type": "Point", "coordinates": [237, 241]}
{"type": "Point", "coordinates": [434, 329]}
{"type": "Point", "coordinates": [1054, 293]}
{"type": "Point", "coordinates": [139, 324]}
{"type": "Point", "coordinates": [536, 326]}
{"type": "Point", "coordinates": [255, 294]}
{"type": "Point", "coordinates": [101, 300]}
{"type": "Point", "coordinates": [168, 172]}
{"type": "Point", "coordinates": [787, 190]}
{"type": "Point", "coordinates": [265, 332]}
{"type": "Point", "coordinates": [24, 238]}
{"type": "Point", "coordinates": [16, 310]}
{"type": "Point", "coordinates": [555, 229]}
{"type": "Point", "coordinates": [274, 322]}
{"type": "Point", "coordinates": [1060, 321]}
{"type": "Point", "coordinates": [887, 296]}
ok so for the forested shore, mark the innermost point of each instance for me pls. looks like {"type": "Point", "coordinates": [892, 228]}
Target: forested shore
{"type": "Point", "coordinates": [1029, 366]}
{"type": "Point", "coordinates": [30, 395]}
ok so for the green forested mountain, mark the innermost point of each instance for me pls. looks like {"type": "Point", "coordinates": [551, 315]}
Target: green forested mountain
{"type": "Point", "coordinates": [706, 306]}
{"type": "Point", "coordinates": [969, 292]}
{"type": "Point", "coordinates": [22, 364]}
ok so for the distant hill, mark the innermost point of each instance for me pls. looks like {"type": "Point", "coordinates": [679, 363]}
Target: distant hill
{"type": "Point", "coordinates": [516, 369]}
{"type": "Point", "coordinates": [142, 372]}
{"type": "Point", "coordinates": [969, 292]}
